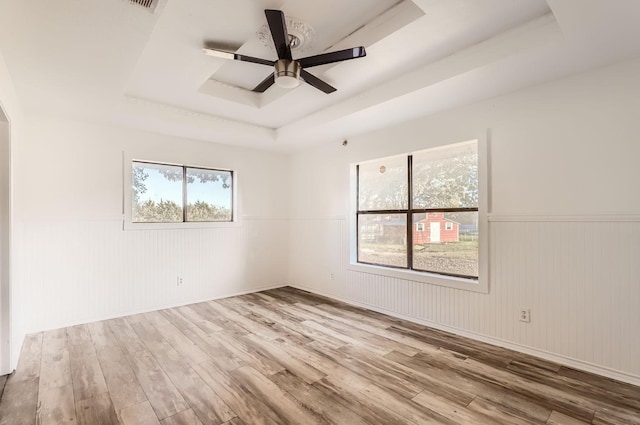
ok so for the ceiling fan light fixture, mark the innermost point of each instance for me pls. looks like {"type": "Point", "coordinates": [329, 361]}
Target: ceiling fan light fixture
{"type": "Point", "coordinates": [287, 73]}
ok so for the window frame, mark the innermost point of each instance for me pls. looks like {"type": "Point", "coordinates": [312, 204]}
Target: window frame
{"type": "Point", "coordinates": [409, 213]}
{"type": "Point", "coordinates": [127, 201]}
{"type": "Point", "coordinates": [479, 284]}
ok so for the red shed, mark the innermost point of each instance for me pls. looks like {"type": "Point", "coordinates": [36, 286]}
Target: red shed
{"type": "Point", "coordinates": [435, 228]}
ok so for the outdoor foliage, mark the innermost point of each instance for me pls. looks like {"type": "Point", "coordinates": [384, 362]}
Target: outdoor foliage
{"type": "Point", "coordinates": [383, 185]}
{"type": "Point", "coordinates": [166, 211]}
{"type": "Point", "coordinates": [153, 212]}
{"type": "Point", "coordinates": [442, 179]}
{"type": "Point", "coordinates": [447, 181]}
{"type": "Point", "coordinates": [202, 175]}
{"type": "Point", "coordinates": [202, 211]}
{"type": "Point", "coordinates": [139, 188]}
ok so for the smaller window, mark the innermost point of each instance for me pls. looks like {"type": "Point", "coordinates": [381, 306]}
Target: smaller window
{"type": "Point", "coordinates": [448, 225]}
{"type": "Point", "coordinates": [420, 227]}
{"type": "Point", "coordinates": [162, 193]}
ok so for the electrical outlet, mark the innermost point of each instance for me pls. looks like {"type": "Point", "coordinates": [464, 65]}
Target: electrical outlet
{"type": "Point", "coordinates": [525, 315]}
{"type": "Point", "coordinates": [179, 281]}
{"type": "Point", "coordinates": [332, 276]}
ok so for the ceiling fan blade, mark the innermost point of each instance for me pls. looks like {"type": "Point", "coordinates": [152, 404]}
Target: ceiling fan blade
{"type": "Point", "coordinates": [265, 84]}
{"type": "Point", "coordinates": [278, 27]}
{"type": "Point", "coordinates": [245, 58]}
{"type": "Point", "coordinates": [316, 82]}
{"type": "Point", "coordinates": [209, 51]}
{"type": "Point", "coordinates": [340, 55]}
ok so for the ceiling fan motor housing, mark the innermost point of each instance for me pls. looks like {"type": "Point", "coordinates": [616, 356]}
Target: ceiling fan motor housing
{"type": "Point", "coordinates": [287, 73]}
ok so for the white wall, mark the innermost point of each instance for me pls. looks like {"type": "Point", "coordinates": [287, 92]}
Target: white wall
{"type": "Point", "coordinates": [564, 222]}
{"type": "Point", "coordinates": [564, 231]}
{"type": "Point", "coordinates": [10, 112]}
{"type": "Point", "coordinates": [74, 263]}
{"type": "Point", "coordinates": [5, 182]}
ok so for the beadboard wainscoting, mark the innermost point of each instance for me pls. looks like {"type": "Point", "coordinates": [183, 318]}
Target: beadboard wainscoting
{"type": "Point", "coordinates": [85, 270]}
{"type": "Point", "coordinates": [579, 276]}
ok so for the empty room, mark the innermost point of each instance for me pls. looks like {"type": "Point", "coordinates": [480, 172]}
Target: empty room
{"type": "Point", "coordinates": [319, 212]}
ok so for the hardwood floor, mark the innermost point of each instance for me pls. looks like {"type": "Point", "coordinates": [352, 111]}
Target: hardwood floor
{"type": "Point", "coordinates": [289, 357]}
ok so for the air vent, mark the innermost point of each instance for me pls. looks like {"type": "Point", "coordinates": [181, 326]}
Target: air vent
{"type": "Point", "coordinates": [147, 4]}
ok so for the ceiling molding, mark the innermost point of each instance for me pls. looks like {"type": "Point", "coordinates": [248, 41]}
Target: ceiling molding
{"type": "Point", "coordinates": [423, 57]}
{"type": "Point", "coordinates": [142, 113]}
{"type": "Point", "coordinates": [391, 20]}
{"type": "Point", "coordinates": [540, 32]}
{"type": "Point", "coordinates": [231, 93]}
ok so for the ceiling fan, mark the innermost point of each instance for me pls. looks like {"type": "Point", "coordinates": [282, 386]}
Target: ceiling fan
{"type": "Point", "coordinates": [288, 71]}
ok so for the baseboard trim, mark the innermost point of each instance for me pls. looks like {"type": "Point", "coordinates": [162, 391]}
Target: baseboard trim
{"type": "Point", "coordinates": [553, 357]}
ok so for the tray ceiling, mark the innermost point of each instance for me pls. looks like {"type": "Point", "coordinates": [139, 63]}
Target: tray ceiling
{"type": "Point", "coordinates": [117, 62]}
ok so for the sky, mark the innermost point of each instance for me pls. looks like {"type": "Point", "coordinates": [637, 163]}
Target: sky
{"type": "Point", "coordinates": [158, 187]}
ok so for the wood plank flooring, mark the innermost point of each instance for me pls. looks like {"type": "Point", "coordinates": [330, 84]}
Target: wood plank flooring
{"type": "Point", "coordinates": [285, 356]}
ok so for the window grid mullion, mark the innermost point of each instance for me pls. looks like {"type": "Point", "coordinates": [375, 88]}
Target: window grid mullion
{"type": "Point", "coordinates": [417, 211]}
{"type": "Point", "coordinates": [409, 213]}
{"type": "Point", "coordinates": [357, 214]}
{"type": "Point", "coordinates": [184, 194]}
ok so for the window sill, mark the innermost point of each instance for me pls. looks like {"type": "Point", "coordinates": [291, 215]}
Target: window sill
{"type": "Point", "coordinates": [423, 277]}
{"type": "Point", "coordinates": [190, 225]}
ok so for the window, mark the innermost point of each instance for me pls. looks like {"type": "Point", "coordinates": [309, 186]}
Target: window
{"type": "Point", "coordinates": [435, 189]}
{"type": "Point", "coordinates": [162, 193]}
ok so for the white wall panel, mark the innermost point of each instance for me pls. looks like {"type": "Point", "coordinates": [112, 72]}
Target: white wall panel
{"type": "Point", "coordinates": [580, 280]}
{"type": "Point", "coordinates": [564, 230]}
{"type": "Point", "coordinates": [10, 111]}
{"type": "Point", "coordinates": [81, 271]}
{"type": "Point", "coordinates": [5, 243]}
{"type": "Point", "coordinates": [74, 263]}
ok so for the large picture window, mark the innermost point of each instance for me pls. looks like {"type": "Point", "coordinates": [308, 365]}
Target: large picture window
{"type": "Point", "coordinates": [162, 193]}
{"type": "Point", "coordinates": [420, 211]}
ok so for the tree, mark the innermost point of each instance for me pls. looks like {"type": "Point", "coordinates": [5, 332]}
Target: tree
{"type": "Point", "coordinates": [203, 211]}
{"type": "Point", "coordinates": [169, 211]}
{"type": "Point", "coordinates": [450, 182]}
{"type": "Point", "coordinates": [150, 211]}
{"type": "Point", "coordinates": [138, 177]}
{"type": "Point", "coordinates": [382, 187]}
{"type": "Point", "coordinates": [203, 175]}
{"type": "Point", "coordinates": [446, 183]}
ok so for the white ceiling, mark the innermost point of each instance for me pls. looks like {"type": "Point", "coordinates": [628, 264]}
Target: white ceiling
{"type": "Point", "coordinates": [111, 61]}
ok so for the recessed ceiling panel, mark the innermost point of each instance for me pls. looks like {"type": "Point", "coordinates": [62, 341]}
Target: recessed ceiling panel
{"type": "Point", "coordinates": [360, 23]}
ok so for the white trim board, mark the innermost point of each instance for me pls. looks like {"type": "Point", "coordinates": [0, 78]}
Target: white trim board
{"type": "Point", "coordinates": [590, 218]}
{"type": "Point", "coordinates": [557, 358]}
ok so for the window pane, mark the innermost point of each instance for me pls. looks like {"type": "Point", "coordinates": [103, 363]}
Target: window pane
{"type": "Point", "coordinates": [382, 239]}
{"type": "Point", "coordinates": [447, 243]}
{"type": "Point", "coordinates": [208, 195]}
{"type": "Point", "coordinates": [382, 184]}
{"type": "Point", "coordinates": [157, 193]}
{"type": "Point", "coordinates": [446, 177]}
